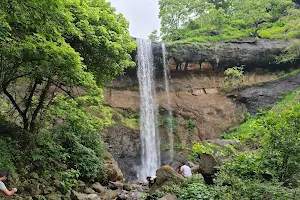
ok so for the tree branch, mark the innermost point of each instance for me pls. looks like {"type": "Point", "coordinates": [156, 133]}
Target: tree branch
{"type": "Point", "coordinates": [29, 99]}
{"type": "Point", "coordinates": [40, 105]}
{"type": "Point", "coordinates": [60, 87]}
{"type": "Point", "coordinates": [11, 98]}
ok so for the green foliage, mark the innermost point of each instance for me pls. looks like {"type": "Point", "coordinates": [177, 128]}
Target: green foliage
{"type": "Point", "coordinates": [213, 20]}
{"type": "Point", "coordinates": [58, 44]}
{"type": "Point", "coordinates": [80, 135]}
{"type": "Point", "coordinates": [275, 134]}
{"type": "Point", "coordinates": [6, 163]}
{"type": "Point", "coordinates": [291, 53]}
{"type": "Point", "coordinates": [292, 73]}
{"type": "Point", "coordinates": [207, 148]}
{"type": "Point", "coordinates": [68, 180]}
{"type": "Point", "coordinates": [168, 122]}
{"type": "Point", "coordinates": [281, 144]}
{"type": "Point", "coordinates": [234, 78]}
{"type": "Point", "coordinates": [255, 189]}
{"type": "Point", "coordinates": [192, 188]}
{"type": "Point", "coordinates": [154, 36]}
{"type": "Point", "coordinates": [190, 126]}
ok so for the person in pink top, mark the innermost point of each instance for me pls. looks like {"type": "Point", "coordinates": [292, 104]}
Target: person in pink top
{"type": "Point", "coordinates": [3, 177]}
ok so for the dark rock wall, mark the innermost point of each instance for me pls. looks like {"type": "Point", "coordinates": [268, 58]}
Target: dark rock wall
{"type": "Point", "coordinates": [260, 97]}
{"type": "Point", "coordinates": [124, 145]}
{"type": "Point", "coordinates": [249, 52]}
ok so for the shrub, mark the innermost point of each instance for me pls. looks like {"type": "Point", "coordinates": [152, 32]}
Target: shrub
{"type": "Point", "coordinates": [191, 189]}
{"type": "Point", "coordinates": [85, 161]}
{"type": "Point", "coordinates": [6, 162]}
{"type": "Point", "coordinates": [190, 126]}
{"type": "Point", "coordinates": [245, 189]}
{"type": "Point", "coordinates": [233, 79]}
{"type": "Point", "coordinates": [68, 180]}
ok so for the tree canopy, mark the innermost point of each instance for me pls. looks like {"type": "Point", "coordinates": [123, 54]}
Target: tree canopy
{"type": "Point", "coordinates": [211, 20]}
{"type": "Point", "coordinates": [58, 44]}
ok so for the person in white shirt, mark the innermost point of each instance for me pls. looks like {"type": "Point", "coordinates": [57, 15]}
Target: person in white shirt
{"type": "Point", "coordinates": [3, 177]}
{"type": "Point", "coordinates": [185, 171]}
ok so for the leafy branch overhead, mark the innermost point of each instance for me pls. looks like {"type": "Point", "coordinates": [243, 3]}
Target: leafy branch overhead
{"type": "Point", "coordinates": [56, 46]}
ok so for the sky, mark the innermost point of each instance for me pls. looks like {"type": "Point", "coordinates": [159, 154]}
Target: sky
{"type": "Point", "coordinates": [141, 14]}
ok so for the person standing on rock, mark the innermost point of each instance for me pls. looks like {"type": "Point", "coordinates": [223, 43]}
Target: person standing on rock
{"type": "Point", "coordinates": [3, 177]}
{"type": "Point", "coordinates": [185, 171]}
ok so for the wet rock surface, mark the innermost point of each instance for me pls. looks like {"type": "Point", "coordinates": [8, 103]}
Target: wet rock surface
{"type": "Point", "coordinates": [124, 145]}
{"type": "Point", "coordinates": [262, 96]}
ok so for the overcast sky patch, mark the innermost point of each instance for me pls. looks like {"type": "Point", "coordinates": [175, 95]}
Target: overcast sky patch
{"type": "Point", "coordinates": [141, 14]}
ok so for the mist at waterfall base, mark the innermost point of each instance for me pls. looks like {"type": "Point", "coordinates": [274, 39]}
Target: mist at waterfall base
{"type": "Point", "coordinates": [150, 143]}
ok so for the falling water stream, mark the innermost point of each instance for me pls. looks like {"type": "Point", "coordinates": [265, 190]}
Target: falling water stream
{"type": "Point", "coordinates": [167, 90]}
{"type": "Point", "coordinates": [148, 116]}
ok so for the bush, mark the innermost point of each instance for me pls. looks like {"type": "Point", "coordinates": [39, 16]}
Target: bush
{"type": "Point", "coordinates": [6, 162]}
{"type": "Point", "coordinates": [86, 162]}
{"type": "Point", "coordinates": [68, 180]}
{"type": "Point", "coordinates": [233, 79]}
{"type": "Point", "coordinates": [191, 189]}
{"type": "Point", "coordinates": [245, 189]}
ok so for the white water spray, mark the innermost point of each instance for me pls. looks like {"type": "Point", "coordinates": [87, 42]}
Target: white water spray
{"type": "Point", "coordinates": [148, 116]}
{"type": "Point", "coordinates": [167, 90]}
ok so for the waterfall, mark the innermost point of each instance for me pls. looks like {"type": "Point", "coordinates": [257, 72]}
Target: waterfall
{"type": "Point", "coordinates": [167, 90]}
{"type": "Point", "coordinates": [150, 144]}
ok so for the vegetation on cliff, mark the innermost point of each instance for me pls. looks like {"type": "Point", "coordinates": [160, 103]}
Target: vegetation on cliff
{"type": "Point", "coordinates": [263, 165]}
{"type": "Point", "coordinates": [206, 20]}
{"type": "Point", "coordinates": [54, 55]}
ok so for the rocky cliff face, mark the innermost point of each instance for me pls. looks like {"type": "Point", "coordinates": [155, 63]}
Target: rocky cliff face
{"type": "Point", "coordinates": [251, 53]}
{"type": "Point", "coordinates": [200, 110]}
{"type": "Point", "coordinates": [248, 52]}
{"type": "Point", "coordinates": [262, 96]}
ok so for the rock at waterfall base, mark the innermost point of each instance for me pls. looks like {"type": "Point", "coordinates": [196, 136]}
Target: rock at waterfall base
{"type": "Point", "coordinates": [164, 177]}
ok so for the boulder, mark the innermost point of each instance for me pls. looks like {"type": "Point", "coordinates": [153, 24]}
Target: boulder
{"type": "Point", "coordinates": [82, 196]}
{"type": "Point", "coordinates": [89, 191]}
{"type": "Point", "coordinates": [190, 164]}
{"type": "Point", "coordinates": [127, 187]}
{"type": "Point", "coordinates": [49, 190]}
{"type": "Point", "coordinates": [195, 169]}
{"type": "Point", "coordinates": [80, 186]}
{"type": "Point", "coordinates": [164, 177]}
{"type": "Point", "coordinates": [98, 188]}
{"type": "Point", "coordinates": [112, 194]}
{"type": "Point", "coordinates": [168, 197]}
{"type": "Point", "coordinates": [207, 164]}
{"type": "Point", "coordinates": [124, 145]}
{"type": "Point", "coordinates": [53, 196]}
{"type": "Point", "coordinates": [112, 169]}
{"type": "Point", "coordinates": [34, 188]}
{"type": "Point", "coordinates": [115, 185]}
{"type": "Point", "coordinates": [34, 175]}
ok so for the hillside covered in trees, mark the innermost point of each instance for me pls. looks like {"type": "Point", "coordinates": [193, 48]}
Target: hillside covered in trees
{"type": "Point", "coordinates": [213, 20]}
